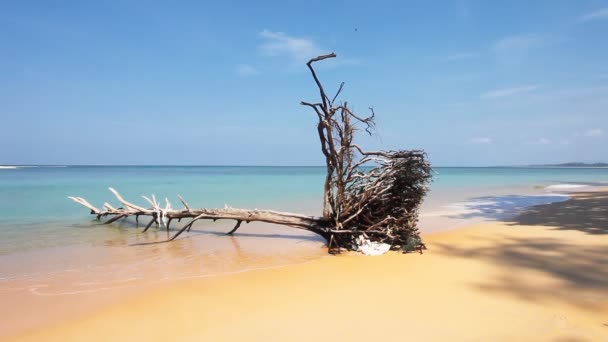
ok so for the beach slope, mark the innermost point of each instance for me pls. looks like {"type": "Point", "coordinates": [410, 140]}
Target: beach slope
{"type": "Point", "coordinates": [520, 280]}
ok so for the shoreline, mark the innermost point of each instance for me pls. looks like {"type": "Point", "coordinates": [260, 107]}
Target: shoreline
{"type": "Point", "coordinates": [547, 281]}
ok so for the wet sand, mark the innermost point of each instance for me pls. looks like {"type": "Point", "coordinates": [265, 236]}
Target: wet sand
{"type": "Point", "coordinates": [541, 276]}
{"type": "Point", "coordinates": [58, 284]}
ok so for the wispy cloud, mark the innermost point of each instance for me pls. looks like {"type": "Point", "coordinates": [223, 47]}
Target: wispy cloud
{"type": "Point", "coordinates": [513, 50]}
{"type": "Point", "coordinates": [480, 140]}
{"type": "Point", "coordinates": [600, 14]}
{"type": "Point", "coordinates": [298, 49]}
{"type": "Point", "coordinates": [580, 92]}
{"type": "Point", "coordinates": [498, 93]}
{"type": "Point", "coordinates": [508, 50]}
{"type": "Point", "coordinates": [459, 56]}
{"type": "Point", "coordinates": [245, 70]}
{"type": "Point", "coordinates": [540, 141]}
{"type": "Point", "coordinates": [517, 42]}
{"type": "Point", "coordinates": [594, 133]}
{"type": "Point", "coordinates": [463, 9]}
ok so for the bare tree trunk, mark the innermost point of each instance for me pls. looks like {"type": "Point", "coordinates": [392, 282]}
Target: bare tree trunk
{"type": "Point", "coordinates": [379, 204]}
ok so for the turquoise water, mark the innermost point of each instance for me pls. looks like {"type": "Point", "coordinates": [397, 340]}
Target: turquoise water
{"type": "Point", "coordinates": [51, 247]}
{"type": "Point", "coordinates": [35, 212]}
{"type": "Point", "coordinates": [41, 192]}
{"type": "Point", "coordinates": [35, 194]}
{"type": "Point", "coordinates": [33, 200]}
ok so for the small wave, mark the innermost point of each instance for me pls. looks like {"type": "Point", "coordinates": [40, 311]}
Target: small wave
{"type": "Point", "coordinates": [565, 186]}
{"type": "Point", "coordinates": [14, 167]}
{"type": "Point", "coordinates": [36, 290]}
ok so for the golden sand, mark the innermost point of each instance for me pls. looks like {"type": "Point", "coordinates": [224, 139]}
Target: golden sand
{"type": "Point", "coordinates": [490, 282]}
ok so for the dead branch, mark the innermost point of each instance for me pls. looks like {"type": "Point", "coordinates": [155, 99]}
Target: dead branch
{"type": "Point", "coordinates": [157, 213]}
{"type": "Point", "coordinates": [379, 201]}
{"type": "Point", "coordinates": [368, 196]}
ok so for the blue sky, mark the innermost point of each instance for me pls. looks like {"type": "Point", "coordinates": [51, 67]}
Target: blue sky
{"type": "Point", "coordinates": [146, 82]}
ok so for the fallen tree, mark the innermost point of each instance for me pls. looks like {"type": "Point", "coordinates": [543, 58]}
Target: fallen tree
{"type": "Point", "coordinates": [371, 198]}
{"type": "Point", "coordinates": [163, 216]}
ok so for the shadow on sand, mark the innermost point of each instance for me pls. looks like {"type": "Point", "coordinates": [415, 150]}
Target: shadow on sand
{"type": "Point", "coordinates": [587, 212]}
{"type": "Point", "coordinates": [503, 207]}
{"type": "Point", "coordinates": [578, 273]}
{"type": "Point", "coordinates": [573, 268]}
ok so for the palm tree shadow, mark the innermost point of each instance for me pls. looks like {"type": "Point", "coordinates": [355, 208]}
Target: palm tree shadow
{"type": "Point", "coordinates": [575, 272]}
{"type": "Point", "coordinates": [578, 273]}
{"type": "Point", "coordinates": [585, 212]}
{"type": "Point", "coordinates": [500, 208]}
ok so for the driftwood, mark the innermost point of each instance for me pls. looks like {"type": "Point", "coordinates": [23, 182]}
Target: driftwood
{"type": "Point", "coordinates": [369, 196]}
{"type": "Point", "coordinates": [163, 216]}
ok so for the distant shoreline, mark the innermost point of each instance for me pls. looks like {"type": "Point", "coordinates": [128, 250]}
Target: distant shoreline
{"type": "Point", "coordinates": [557, 166]}
{"type": "Point", "coordinates": [575, 164]}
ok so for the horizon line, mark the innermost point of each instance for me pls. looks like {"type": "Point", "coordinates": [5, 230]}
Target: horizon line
{"type": "Point", "coordinates": [228, 165]}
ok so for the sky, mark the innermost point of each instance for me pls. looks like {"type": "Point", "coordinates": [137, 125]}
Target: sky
{"type": "Point", "coordinates": [473, 83]}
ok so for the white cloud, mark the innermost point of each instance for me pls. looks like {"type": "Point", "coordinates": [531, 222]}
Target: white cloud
{"type": "Point", "coordinates": [480, 140]}
{"type": "Point", "coordinates": [564, 142]}
{"type": "Point", "coordinates": [594, 133]}
{"type": "Point", "coordinates": [540, 141]}
{"type": "Point", "coordinates": [281, 44]}
{"type": "Point", "coordinates": [298, 50]}
{"type": "Point", "coordinates": [601, 14]}
{"type": "Point", "coordinates": [509, 91]}
{"type": "Point", "coordinates": [246, 70]}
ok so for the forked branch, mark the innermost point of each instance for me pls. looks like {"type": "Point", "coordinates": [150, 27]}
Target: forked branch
{"type": "Point", "coordinates": [157, 213]}
{"type": "Point", "coordinates": [368, 196]}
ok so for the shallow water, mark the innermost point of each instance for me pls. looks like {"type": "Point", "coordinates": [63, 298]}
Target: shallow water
{"type": "Point", "coordinates": [51, 249]}
{"type": "Point", "coordinates": [35, 213]}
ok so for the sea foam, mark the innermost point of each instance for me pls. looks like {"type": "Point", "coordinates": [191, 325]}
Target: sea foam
{"type": "Point", "coordinates": [565, 186]}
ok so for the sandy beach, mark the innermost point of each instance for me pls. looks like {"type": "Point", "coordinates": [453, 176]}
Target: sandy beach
{"type": "Point", "coordinates": [254, 171]}
{"type": "Point", "coordinates": [540, 277]}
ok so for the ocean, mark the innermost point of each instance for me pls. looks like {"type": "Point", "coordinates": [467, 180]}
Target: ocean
{"type": "Point", "coordinates": [52, 247]}
{"type": "Point", "coordinates": [36, 213]}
